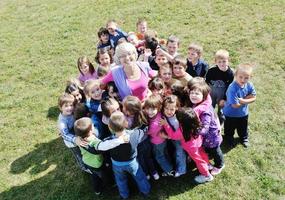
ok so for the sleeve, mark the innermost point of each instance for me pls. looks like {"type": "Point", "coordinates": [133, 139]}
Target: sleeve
{"type": "Point", "coordinates": [109, 144]}
{"type": "Point", "coordinates": [66, 133]}
{"type": "Point", "coordinates": [205, 119]}
{"type": "Point", "coordinates": [205, 105]}
{"type": "Point", "coordinates": [232, 97]}
{"type": "Point", "coordinates": [252, 90]}
{"type": "Point", "coordinates": [108, 78]}
{"type": "Point", "coordinates": [230, 80]}
{"type": "Point", "coordinates": [205, 67]}
{"type": "Point", "coordinates": [174, 135]}
{"type": "Point", "coordinates": [209, 76]}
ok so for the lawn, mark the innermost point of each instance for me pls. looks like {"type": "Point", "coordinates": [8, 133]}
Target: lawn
{"type": "Point", "coordinates": [40, 42]}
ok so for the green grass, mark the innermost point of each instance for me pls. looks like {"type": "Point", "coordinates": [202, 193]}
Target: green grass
{"type": "Point", "coordinates": [40, 42]}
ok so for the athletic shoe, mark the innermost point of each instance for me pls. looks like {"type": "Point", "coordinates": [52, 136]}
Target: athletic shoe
{"type": "Point", "coordinates": [171, 173]}
{"type": "Point", "coordinates": [203, 179]}
{"type": "Point", "coordinates": [216, 171]}
{"type": "Point", "coordinates": [210, 166]}
{"type": "Point", "coordinates": [177, 174]}
{"type": "Point", "coordinates": [155, 176]}
{"type": "Point", "coordinates": [245, 144]}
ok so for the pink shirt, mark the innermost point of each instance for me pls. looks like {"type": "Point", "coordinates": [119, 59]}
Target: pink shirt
{"type": "Point", "coordinates": [86, 77]}
{"type": "Point", "coordinates": [154, 128]}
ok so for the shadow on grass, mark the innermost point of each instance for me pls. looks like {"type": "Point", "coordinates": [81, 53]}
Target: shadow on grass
{"type": "Point", "coordinates": [226, 147]}
{"type": "Point", "coordinates": [62, 178]}
{"type": "Point", "coordinates": [53, 112]}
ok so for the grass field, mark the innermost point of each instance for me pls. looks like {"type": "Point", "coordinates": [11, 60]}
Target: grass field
{"type": "Point", "coordinates": [40, 42]}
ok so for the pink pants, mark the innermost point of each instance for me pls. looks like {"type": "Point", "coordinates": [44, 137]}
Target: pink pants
{"type": "Point", "coordinates": [200, 158]}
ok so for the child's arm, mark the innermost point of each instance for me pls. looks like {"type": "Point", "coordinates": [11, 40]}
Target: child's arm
{"type": "Point", "coordinates": [165, 53]}
{"type": "Point", "coordinates": [205, 105]}
{"type": "Point", "coordinates": [248, 99]}
{"type": "Point", "coordinates": [205, 119]}
{"type": "Point", "coordinates": [174, 135]}
{"type": "Point", "coordinates": [110, 144]}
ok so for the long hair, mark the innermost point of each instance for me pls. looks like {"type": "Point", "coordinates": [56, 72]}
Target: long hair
{"type": "Point", "coordinates": [81, 61]}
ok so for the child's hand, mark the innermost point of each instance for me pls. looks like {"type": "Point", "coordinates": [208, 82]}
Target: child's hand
{"type": "Point", "coordinates": [162, 135]}
{"type": "Point", "coordinates": [162, 122]}
{"type": "Point", "coordinates": [126, 138]}
{"type": "Point", "coordinates": [80, 142]}
{"type": "Point", "coordinates": [222, 103]}
{"type": "Point", "coordinates": [242, 101]}
{"type": "Point", "coordinates": [147, 52]}
{"type": "Point", "coordinates": [159, 51]}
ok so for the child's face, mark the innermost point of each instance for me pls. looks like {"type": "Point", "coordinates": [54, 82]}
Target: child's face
{"type": "Point", "coordinates": [193, 55]}
{"type": "Point", "coordinates": [222, 63]}
{"type": "Point", "coordinates": [165, 74]}
{"type": "Point", "coordinates": [77, 95]}
{"type": "Point", "coordinates": [160, 60]}
{"type": "Point", "coordinates": [112, 28]}
{"type": "Point", "coordinates": [96, 93]}
{"type": "Point", "coordinates": [178, 70]}
{"type": "Point", "coordinates": [111, 92]}
{"type": "Point", "coordinates": [104, 38]}
{"type": "Point", "coordinates": [151, 112]}
{"type": "Point", "coordinates": [133, 40]}
{"type": "Point", "coordinates": [142, 27]}
{"type": "Point", "coordinates": [104, 60]}
{"type": "Point", "coordinates": [242, 78]}
{"type": "Point", "coordinates": [196, 96]}
{"type": "Point", "coordinates": [84, 68]}
{"type": "Point", "coordinates": [172, 48]}
{"type": "Point", "coordinates": [170, 109]}
{"type": "Point", "coordinates": [67, 108]}
{"type": "Point", "coordinates": [114, 107]}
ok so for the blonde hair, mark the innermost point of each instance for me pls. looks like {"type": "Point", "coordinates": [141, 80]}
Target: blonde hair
{"type": "Point", "coordinates": [222, 54]}
{"type": "Point", "coordinates": [245, 68]}
{"type": "Point", "coordinates": [123, 49]}
{"type": "Point", "coordinates": [89, 85]}
{"type": "Point", "coordinates": [172, 39]}
{"type": "Point", "coordinates": [117, 121]}
{"type": "Point", "coordinates": [196, 47]}
{"type": "Point", "coordinates": [140, 21]}
{"type": "Point", "coordinates": [82, 127]}
{"type": "Point", "coordinates": [65, 98]}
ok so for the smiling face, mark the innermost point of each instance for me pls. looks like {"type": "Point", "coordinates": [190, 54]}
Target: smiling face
{"type": "Point", "coordinates": [222, 63]}
{"type": "Point", "coordinates": [128, 58]}
{"type": "Point", "coordinates": [84, 68]}
{"type": "Point", "coordinates": [96, 93]}
{"type": "Point", "coordinates": [160, 60]}
{"type": "Point", "coordinates": [112, 26]}
{"type": "Point", "coordinates": [178, 70]}
{"type": "Point", "coordinates": [104, 38]}
{"type": "Point", "coordinates": [170, 109]}
{"type": "Point", "coordinates": [67, 108]}
{"type": "Point", "coordinates": [142, 27]}
{"type": "Point", "coordinates": [151, 112]}
{"type": "Point", "coordinates": [196, 96]}
{"type": "Point", "coordinates": [104, 60]}
{"type": "Point", "coordinates": [165, 74]}
{"type": "Point", "coordinates": [77, 95]}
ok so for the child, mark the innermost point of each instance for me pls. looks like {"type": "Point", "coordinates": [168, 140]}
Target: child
{"type": "Point", "coordinates": [65, 126]}
{"type": "Point", "coordinates": [195, 65]}
{"type": "Point", "coordinates": [104, 42]}
{"type": "Point", "coordinates": [165, 73]}
{"type": "Point", "coordinates": [152, 107]}
{"type": "Point", "coordinates": [240, 93]}
{"type": "Point", "coordinates": [210, 126]}
{"type": "Point", "coordinates": [170, 106]}
{"type": "Point", "coordinates": [73, 87]}
{"type": "Point", "coordinates": [104, 58]}
{"type": "Point", "coordinates": [157, 86]}
{"type": "Point", "coordinates": [86, 69]}
{"type": "Point", "coordinates": [191, 142]}
{"type": "Point", "coordinates": [124, 156]}
{"type": "Point", "coordinates": [133, 39]}
{"type": "Point", "coordinates": [94, 93]}
{"type": "Point", "coordinates": [219, 78]}
{"type": "Point", "coordinates": [141, 28]}
{"type": "Point", "coordinates": [172, 45]}
{"type": "Point", "coordinates": [115, 34]}
{"type": "Point", "coordinates": [179, 70]}
{"type": "Point", "coordinates": [93, 160]}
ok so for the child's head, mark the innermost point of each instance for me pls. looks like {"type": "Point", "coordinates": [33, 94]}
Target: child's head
{"type": "Point", "coordinates": [83, 127]}
{"type": "Point", "coordinates": [102, 71]}
{"type": "Point", "coordinates": [152, 105]}
{"type": "Point", "coordinates": [109, 105]}
{"type": "Point", "coordinates": [222, 59]}
{"type": "Point", "coordinates": [141, 26]}
{"type": "Point", "coordinates": [151, 43]}
{"type": "Point", "coordinates": [73, 89]}
{"type": "Point", "coordinates": [156, 86]}
{"type": "Point", "coordinates": [172, 45]}
{"type": "Point", "coordinates": [170, 105]}
{"type": "Point", "coordinates": [113, 90]}
{"type": "Point", "coordinates": [178, 89]}
{"type": "Point", "coordinates": [132, 108]}
{"type": "Point", "coordinates": [194, 52]}
{"type": "Point", "coordinates": [132, 38]}
{"type": "Point", "coordinates": [104, 57]}
{"type": "Point", "coordinates": [103, 35]}
{"type": "Point", "coordinates": [165, 73]}
{"type": "Point", "coordinates": [66, 104]}
{"type": "Point", "coordinates": [189, 122]}
{"type": "Point", "coordinates": [198, 90]}
{"type": "Point", "coordinates": [80, 111]}
{"type": "Point", "coordinates": [179, 66]}
{"type": "Point", "coordinates": [85, 66]}
{"type": "Point", "coordinates": [117, 122]}
{"type": "Point", "coordinates": [111, 27]}
{"type": "Point", "coordinates": [160, 59]}
{"type": "Point", "coordinates": [93, 90]}
{"type": "Point", "coordinates": [243, 74]}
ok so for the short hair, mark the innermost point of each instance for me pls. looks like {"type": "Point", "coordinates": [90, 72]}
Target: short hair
{"type": "Point", "coordinates": [111, 21]}
{"type": "Point", "coordinates": [101, 52]}
{"type": "Point", "coordinates": [82, 127]}
{"type": "Point", "coordinates": [140, 21]}
{"type": "Point", "coordinates": [196, 47]}
{"type": "Point", "coordinates": [171, 99]}
{"type": "Point", "coordinates": [245, 67]}
{"type": "Point", "coordinates": [80, 110]}
{"type": "Point", "coordinates": [150, 33]}
{"type": "Point", "coordinates": [102, 31]}
{"type": "Point", "coordinates": [180, 60]}
{"type": "Point", "coordinates": [84, 59]}
{"type": "Point", "coordinates": [153, 101]}
{"type": "Point", "coordinates": [89, 85]}
{"type": "Point", "coordinates": [117, 121]}
{"type": "Point", "coordinates": [123, 49]}
{"type": "Point", "coordinates": [65, 98]}
{"type": "Point", "coordinates": [222, 54]}
{"type": "Point", "coordinates": [172, 39]}
{"type": "Point", "coordinates": [151, 43]}
{"type": "Point", "coordinates": [156, 84]}
{"type": "Point", "coordinates": [200, 84]}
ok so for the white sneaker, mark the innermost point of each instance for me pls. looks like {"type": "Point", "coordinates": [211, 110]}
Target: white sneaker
{"type": "Point", "coordinates": [216, 171]}
{"type": "Point", "coordinates": [203, 179]}
{"type": "Point", "coordinates": [147, 177]}
{"type": "Point", "coordinates": [155, 176]}
{"type": "Point", "coordinates": [177, 174]}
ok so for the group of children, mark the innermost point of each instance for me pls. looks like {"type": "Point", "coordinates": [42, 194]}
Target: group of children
{"type": "Point", "coordinates": [175, 123]}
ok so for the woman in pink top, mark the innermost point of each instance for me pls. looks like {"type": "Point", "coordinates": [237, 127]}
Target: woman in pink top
{"type": "Point", "coordinates": [191, 142]}
{"type": "Point", "coordinates": [130, 76]}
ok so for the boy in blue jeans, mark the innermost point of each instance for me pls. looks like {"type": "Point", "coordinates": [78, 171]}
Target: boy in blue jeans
{"type": "Point", "coordinates": [124, 156]}
{"type": "Point", "coordinates": [240, 93]}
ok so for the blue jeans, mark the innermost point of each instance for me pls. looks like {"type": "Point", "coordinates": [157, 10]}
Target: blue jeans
{"type": "Point", "coordinates": [161, 156]}
{"type": "Point", "coordinates": [180, 157]}
{"type": "Point", "coordinates": [137, 173]}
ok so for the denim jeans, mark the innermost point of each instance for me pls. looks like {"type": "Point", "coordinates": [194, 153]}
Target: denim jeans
{"type": "Point", "coordinates": [180, 157]}
{"type": "Point", "coordinates": [161, 156]}
{"type": "Point", "coordinates": [137, 173]}
{"type": "Point", "coordinates": [145, 158]}
{"type": "Point", "coordinates": [217, 154]}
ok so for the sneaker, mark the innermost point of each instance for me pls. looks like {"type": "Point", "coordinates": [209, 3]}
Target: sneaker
{"type": "Point", "coordinates": [177, 174]}
{"type": "Point", "coordinates": [155, 176]}
{"type": "Point", "coordinates": [245, 144]}
{"type": "Point", "coordinates": [171, 173]}
{"type": "Point", "coordinates": [147, 177]}
{"type": "Point", "coordinates": [210, 167]}
{"type": "Point", "coordinates": [203, 179]}
{"type": "Point", "coordinates": [216, 171]}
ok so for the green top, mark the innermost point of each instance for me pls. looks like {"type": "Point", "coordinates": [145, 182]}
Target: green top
{"type": "Point", "coordinates": [92, 160]}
